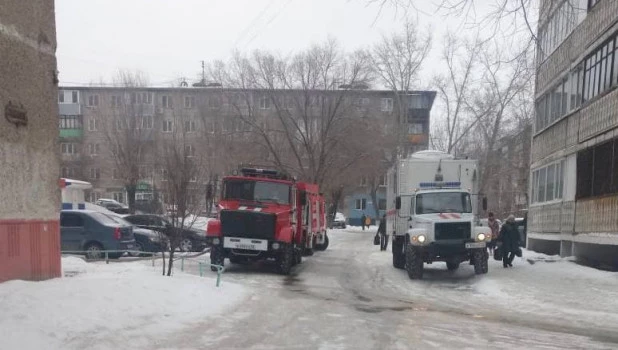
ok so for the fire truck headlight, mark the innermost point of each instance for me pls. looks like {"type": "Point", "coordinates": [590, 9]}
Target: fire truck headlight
{"type": "Point", "coordinates": [481, 237]}
{"type": "Point", "coordinates": [216, 241]}
{"type": "Point", "coordinates": [276, 246]}
{"type": "Point", "coordinates": [421, 238]}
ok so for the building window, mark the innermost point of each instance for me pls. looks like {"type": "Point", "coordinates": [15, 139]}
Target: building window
{"type": "Point", "coordinates": [74, 97]}
{"type": "Point", "coordinates": [60, 96]}
{"type": "Point", "coordinates": [383, 180]}
{"type": "Point", "coordinates": [166, 101]}
{"type": "Point", "coordinates": [68, 148]}
{"type": "Point", "coordinates": [189, 151]}
{"type": "Point", "coordinates": [387, 104]}
{"type": "Point", "coordinates": [118, 196]}
{"type": "Point", "coordinates": [164, 175]}
{"type": "Point", "coordinates": [138, 98]}
{"type": "Point", "coordinates": [363, 181]}
{"type": "Point", "coordinates": [264, 102]}
{"type": "Point", "coordinates": [92, 124]}
{"type": "Point", "coordinates": [168, 125]}
{"type": "Point", "coordinates": [94, 149]}
{"type": "Point", "coordinates": [360, 204]}
{"type": "Point", "coordinates": [597, 170]}
{"type": "Point", "coordinates": [214, 102]}
{"type": "Point", "coordinates": [189, 101]}
{"type": "Point", "coordinates": [95, 173]}
{"type": "Point", "coordinates": [548, 182]}
{"type": "Point", "coordinates": [70, 122]}
{"type": "Point", "coordinates": [598, 67]}
{"type": "Point", "coordinates": [116, 101]}
{"type": "Point", "coordinates": [381, 204]}
{"type": "Point", "coordinates": [558, 27]}
{"type": "Point", "coordinates": [147, 122]}
{"type": "Point", "coordinates": [190, 126]}
{"type": "Point", "coordinates": [93, 101]}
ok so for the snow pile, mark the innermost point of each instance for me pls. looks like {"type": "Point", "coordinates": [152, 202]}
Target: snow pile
{"type": "Point", "coordinates": [121, 305]}
{"type": "Point", "coordinates": [356, 229]}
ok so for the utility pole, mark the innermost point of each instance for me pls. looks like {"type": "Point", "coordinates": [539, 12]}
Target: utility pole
{"type": "Point", "coordinates": [203, 73]}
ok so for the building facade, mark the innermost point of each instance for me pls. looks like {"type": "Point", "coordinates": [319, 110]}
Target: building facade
{"type": "Point", "coordinates": [30, 205]}
{"type": "Point", "coordinates": [574, 165]}
{"type": "Point", "coordinates": [211, 125]}
{"type": "Point", "coordinates": [412, 121]}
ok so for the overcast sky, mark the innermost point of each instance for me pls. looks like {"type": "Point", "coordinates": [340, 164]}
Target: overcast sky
{"type": "Point", "coordinates": [167, 39]}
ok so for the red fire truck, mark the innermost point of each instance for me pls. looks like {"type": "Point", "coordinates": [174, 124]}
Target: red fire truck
{"type": "Point", "coordinates": [264, 214]}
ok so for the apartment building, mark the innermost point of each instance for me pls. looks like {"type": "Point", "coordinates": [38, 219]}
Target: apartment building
{"type": "Point", "coordinates": [574, 165]}
{"type": "Point", "coordinates": [210, 121]}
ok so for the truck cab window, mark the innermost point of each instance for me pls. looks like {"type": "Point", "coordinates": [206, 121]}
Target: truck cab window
{"type": "Point", "coordinates": [443, 202]}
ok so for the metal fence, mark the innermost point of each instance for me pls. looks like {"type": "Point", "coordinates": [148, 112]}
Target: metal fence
{"type": "Point", "coordinates": [153, 257]}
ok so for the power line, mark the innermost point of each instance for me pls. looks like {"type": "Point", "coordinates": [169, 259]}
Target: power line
{"type": "Point", "coordinates": [253, 22]}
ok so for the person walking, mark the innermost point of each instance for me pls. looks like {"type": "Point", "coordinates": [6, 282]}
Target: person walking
{"type": "Point", "coordinates": [509, 236]}
{"type": "Point", "coordinates": [382, 233]}
{"type": "Point", "coordinates": [494, 226]}
{"type": "Point", "coordinates": [363, 221]}
{"type": "Point", "coordinates": [368, 221]}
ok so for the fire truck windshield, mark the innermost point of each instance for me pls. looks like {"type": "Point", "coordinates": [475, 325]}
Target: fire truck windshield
{"type": "Point", "coordinates": [260, 191]}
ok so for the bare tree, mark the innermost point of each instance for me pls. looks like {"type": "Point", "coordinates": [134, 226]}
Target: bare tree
{"type": "Point", "coordinates": [460, 58]}
{"type": "Point", "coordinates": [128, 131]}
{"type": "Point", "coordinates": [397, 60]}
{"type": "Point", "coordinates": [300, 108]}
{"type": "Point", "coordinates": [183, 185]}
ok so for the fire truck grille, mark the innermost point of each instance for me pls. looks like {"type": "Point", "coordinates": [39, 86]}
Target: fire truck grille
{"type": "Point", "coordinates": [452, 230]}
{"type": "Point", "coordinates": [247, 224]}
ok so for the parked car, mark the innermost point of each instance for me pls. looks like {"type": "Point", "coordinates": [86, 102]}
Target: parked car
{"type": "Point", "coordinates": [145, 240]}
{"type": "Point", "coordinates": [192, 240]}
{"type": "Point", "coordinates": [92, 232]}
{"type": "Point", "coordinates": [113, 205]}
{"type": "Point", "coordinates": [339, 221]}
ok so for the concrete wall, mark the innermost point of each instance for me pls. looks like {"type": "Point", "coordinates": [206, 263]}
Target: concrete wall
{"type": "Point", "coordinates": [29, 234]}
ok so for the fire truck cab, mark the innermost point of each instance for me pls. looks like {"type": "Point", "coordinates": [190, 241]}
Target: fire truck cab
{"type": "Point", "coordinates": [264, 214]}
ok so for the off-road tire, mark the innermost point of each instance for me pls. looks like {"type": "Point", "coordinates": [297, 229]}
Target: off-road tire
{"type": "Point", "coordinates": [216, 257]}
{"type": "Point", "coordinates": [399, 258]}
{"type": "Point", "coordinates": [414, 262]}
{"type": "Point", "coordinates": [285, 260]}
{"type": "Point", "coordinates": [480, 262]}
{"type": "Point", "coordinates": [452, 266]}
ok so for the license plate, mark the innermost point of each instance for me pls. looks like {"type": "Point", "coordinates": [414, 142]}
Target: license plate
{"type": "Point", "coordinates": [245, 243]}
{"type": "Point", "coordinates": [475, 245]}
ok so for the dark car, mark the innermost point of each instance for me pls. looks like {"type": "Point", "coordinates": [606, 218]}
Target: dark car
{"type": "Point", "coordinates": [191, 241]}
{"type": "Point", "coordinates": [145, 240]}
{"type": "Point", "coordinates": [92, 232]}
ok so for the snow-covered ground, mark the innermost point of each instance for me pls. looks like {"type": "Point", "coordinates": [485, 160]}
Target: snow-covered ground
{"type": "Point", "coordinates": [122, 305]}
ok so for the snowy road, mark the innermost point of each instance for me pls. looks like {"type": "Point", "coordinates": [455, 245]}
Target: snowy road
{"type": "Point", "coordinates": [350, 297]}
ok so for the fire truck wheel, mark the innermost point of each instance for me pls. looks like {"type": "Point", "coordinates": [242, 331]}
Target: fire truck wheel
{"type": "Point", "coordinates": [309, 251]}
{"type": "Point", "coordinates": [216, 258]}
{"type": "Point", "coordinates": [298, 255]}
{"type": "Point", "coordinates": [480, 262]}
{"type": "Point", "coordinates": [285, 260]}
{"type": "Point", "coordinates": [414, 262]}
{"type": "Point", "coordinates": [399, 258]}
{"type": "Point", "coordinates": [324, 245]}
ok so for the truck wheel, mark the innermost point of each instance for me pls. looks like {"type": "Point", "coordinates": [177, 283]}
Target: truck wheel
{"type": "Point", "coordinates": [216, 258]}
{"type": "Point", "coordinates": [309, 251]}
{"type": "Point", "coordinates": [480, 262]}
{"type": "Point", "coordinates": [399, 259]}
{"type": "Point", "coordinates": [414, 262]}
{"type": "Point", "coordinates": [452, 266]}
{"type": "Point", "coordinates": [298, 255]}
{"type": "Point", "coordinates": [324, 245]}
{"type": "Point", "coordinates": [285, 260]}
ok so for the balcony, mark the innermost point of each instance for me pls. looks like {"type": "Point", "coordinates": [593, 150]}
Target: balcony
{"type": "Point", "coordinates": [69, 109]}
{"type": "Point", "coordinates": [71, 133]}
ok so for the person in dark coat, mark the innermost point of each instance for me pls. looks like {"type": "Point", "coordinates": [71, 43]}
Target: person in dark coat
{"type": "Point", "coordinates": [509, 236]}
{"type": "Point", "coordinates": [363, 218]}
{"type": "Point", "coordinates": [382, 233]}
